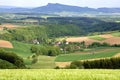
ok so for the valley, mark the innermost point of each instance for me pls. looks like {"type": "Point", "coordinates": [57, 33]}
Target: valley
{"type": "Point", "coordinates": [47, 40]}
{"type": "Point", "coordinates": [57, 41]}
{"type": "Point", "coordinates": [67, 40]}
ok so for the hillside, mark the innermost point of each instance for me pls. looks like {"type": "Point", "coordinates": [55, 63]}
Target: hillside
{"type": "Point", "coordinates": [53, 27]}
{"type": "Point", "coordinates": [110, 38]}
{"type": "Point", "coordinates": [45, 42]}
{"type": "Point", "coordinates": [51, 7]}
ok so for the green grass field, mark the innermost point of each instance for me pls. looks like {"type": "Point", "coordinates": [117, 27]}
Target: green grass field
{"type": "Point", "coordinates": [44, 62]}
{"type": "Point", "coordinates": [116, 34]}
{"type": "Point", "coordinates": [21, 49]}
{"type": "Point", "coordinates": [97, 37]}
{"type": "Point", "coordinates": [92, 55]}
{"type": "Point", "coordinates": [52, 74]}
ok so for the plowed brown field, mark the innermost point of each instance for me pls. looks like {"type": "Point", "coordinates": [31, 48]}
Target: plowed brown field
{"type": "Point", "coordinates": [8, 25]}
{"type": "Point", "coordinates": [62, 64]}
{"type": "Point", "coordinates": [106, 36]}
{"type": "Point", "coordinates": [5, 44]}
{"type": "Point", "coordinates": [114, 40]}
{"type": "Point", "coordinates": [87, 40]}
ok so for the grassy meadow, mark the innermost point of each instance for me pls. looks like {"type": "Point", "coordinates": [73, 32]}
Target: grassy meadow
{"type": "Point", "coordinates": [21, 49]}
{"type": "Point", "coordinates": [63, 74]}
{"type": "Point", "coordinates": [97, 37]}
{"type": "Point", "coordinates": [117, 34]}
{"type": "Point", "coordinates": [44, 62]}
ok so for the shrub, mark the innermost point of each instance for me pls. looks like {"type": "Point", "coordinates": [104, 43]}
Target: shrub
{"type": "Point", "coordinates": [12, 58]}
{"type": "Point", "coordinates": [112, 63]}
{"type": "Point", "coordinates": [57, 67]}
{"type": "Point", "coordinates": [78, 64]}
{"type": "Point", "coordinates": [34, 60]}
{"type": "Point", "coordinates": [75, 65]}
{"type": "Point", "coordinates": [6, 65]}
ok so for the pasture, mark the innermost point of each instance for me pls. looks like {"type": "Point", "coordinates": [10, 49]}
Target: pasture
{"type": "Point", "coordinates": [97, 37]}
{"type": "Point", "coordinates": [22, 49]}
{"type": "Point", "coordinates": [63, 74]}
{"type": "Point", "coordinates": [44, 62]}
{"type": "Point", "coordinates": [117, 34]}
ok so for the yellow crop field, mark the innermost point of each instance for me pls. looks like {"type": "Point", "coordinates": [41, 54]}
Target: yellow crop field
{"type": "Point", "coordinates": [61, 74]}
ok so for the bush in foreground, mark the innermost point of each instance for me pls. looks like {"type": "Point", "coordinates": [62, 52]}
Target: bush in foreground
{"type": "Point", "coordinates": [6, 65]}
{"type": "Point", "coordinates": [12, 58]}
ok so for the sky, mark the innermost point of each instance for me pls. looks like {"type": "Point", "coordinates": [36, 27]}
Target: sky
{"type": "Point", "coordinates": [81, 3]}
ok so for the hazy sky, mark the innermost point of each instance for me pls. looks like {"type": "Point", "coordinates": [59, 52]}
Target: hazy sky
{"type": "Point", "coordinates": [82, 3]}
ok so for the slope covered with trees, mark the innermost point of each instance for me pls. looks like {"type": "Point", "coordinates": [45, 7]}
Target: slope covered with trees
{"type": "Point", "coordinates": [58, 27]}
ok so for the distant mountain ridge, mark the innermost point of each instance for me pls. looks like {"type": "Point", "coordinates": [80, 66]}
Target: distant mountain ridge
{"type": "Point", "coordinates": [60, 7]}
{"type": "Point", "coordinates": [7, 7]}
{"type": "Point", "coordinates": [56, 7]}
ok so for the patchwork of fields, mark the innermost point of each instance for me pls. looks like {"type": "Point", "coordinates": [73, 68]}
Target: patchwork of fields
{"type": "Point", "coordinates": [92, 55]}
{"type": "Point", "coordinates": [111, 38]}
{"type": "Point", "coordinates": [23, 50]}
{"type": "Point", "coordinates": [64, 60]}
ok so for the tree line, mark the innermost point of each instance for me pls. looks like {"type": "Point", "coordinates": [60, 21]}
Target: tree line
{"type": "Point", "coordinates": [110, 63]}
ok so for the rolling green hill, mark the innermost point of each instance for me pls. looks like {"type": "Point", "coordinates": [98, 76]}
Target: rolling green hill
{"type": "Point", "coordinates": [21, 49]}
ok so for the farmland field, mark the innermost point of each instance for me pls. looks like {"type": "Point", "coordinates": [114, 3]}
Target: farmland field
{"type": "Point", "coordinates": [51, 74]}
{"type": "Point", "coordinates": [22, 49]}
{"type": "Point", "coordinates": [117, 34]}
{"type": "Point", "coordinates": [44, 62]}
{"type": "Point", "coordinates": [112, 38]}
{"type": "Point", "coordinates": [5, 44]}
{"type": "Point", "coordinates": [75, 57]}
{"type": "Point", "coordinates": [97, 37]}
